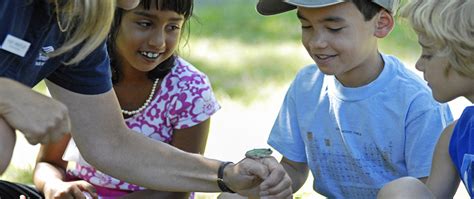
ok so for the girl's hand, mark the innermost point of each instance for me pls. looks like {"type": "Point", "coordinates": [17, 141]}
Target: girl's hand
{"type": "Point", "coordinates": [66, 190]}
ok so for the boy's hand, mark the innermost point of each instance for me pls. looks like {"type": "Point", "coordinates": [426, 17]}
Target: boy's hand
{"type": "Point", "coordinates": [258, 177]}
{"type": "Point", "coordinates": [278, 183]}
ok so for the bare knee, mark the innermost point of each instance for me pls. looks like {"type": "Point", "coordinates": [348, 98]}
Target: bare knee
{"type": "Point", "coordinates": [406, 187]}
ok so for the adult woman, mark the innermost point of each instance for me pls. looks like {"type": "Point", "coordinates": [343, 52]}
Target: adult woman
{"type": "Point", "coordinates": [61, 41]}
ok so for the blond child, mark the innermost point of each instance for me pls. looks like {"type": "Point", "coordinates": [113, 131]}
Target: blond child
{"type": "Point", "coordinates": [445, 32]}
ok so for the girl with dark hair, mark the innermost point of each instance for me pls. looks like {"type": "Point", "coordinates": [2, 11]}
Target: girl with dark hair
{"type": "Point", "coordinates": [161, 95]}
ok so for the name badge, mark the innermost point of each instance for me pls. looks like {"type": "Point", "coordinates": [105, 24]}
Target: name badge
{"type": "Point", "coordinates": [15, 45]}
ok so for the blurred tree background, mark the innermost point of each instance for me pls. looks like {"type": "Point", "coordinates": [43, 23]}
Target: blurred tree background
{"type": "Point", "coordinates": [242, 51]}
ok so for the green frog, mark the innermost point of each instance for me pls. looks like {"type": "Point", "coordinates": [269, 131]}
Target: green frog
{"type": "Point", "coordinates": [258, 153]}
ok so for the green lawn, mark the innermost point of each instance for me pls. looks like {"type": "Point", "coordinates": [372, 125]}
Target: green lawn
{"type": "Point", "coordinates": [242, 51]}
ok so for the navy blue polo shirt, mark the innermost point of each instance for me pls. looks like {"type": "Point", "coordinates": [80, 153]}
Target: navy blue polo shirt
{"type": "Point", "coordinates": [34, 21]}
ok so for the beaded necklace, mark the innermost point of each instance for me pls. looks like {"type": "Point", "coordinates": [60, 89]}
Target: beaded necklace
{"type": "Point", "coordinates": [150, 97]}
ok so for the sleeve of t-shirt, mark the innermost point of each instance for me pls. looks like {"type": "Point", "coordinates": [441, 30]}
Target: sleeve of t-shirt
{"type": "Point", "coordinates": [90, 76]}
{"type": "Point", "coordinates": [461, 140]}
{"type": "Point", "coordinates": [194, 102]}
{"type": "Point", "coordinates": [426, 120]}
{"type": "Point", "coordinates": [285, 136]}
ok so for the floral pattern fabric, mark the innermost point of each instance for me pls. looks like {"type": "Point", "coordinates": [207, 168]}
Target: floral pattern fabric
{"type": "Point", "coordinates": [184, 99]}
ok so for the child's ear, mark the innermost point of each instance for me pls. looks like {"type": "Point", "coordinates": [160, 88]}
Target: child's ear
{"type": "Point", "coordinates": [384, 24]}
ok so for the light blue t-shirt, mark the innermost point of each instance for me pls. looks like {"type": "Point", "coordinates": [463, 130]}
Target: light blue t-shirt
{"type": "Point", "coordinates": [355, 140]}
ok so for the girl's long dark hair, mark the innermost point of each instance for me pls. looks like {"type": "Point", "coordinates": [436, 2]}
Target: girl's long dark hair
{"type": "Point", "coordinates": [183, 7]}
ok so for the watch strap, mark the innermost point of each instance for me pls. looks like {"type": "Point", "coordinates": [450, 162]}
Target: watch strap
{"type": "Point", "coordinates": [220, 178]}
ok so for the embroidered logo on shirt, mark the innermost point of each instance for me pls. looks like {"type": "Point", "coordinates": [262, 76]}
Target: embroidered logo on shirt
{"type": "Point", "coordinates": [43, 55]}
{"type": "Point", "coordinates": [15, 45]}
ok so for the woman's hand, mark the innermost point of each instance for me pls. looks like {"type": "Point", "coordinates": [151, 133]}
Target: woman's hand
{"type": "Point", "coordinates": [7, 143]}
{"type": "Point", "coordinates": [40, 118]}
{"type": "Point", "coordinates": [65, 190]}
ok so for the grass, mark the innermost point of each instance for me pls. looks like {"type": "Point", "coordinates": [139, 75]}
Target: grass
{"type": "Point", "coordinates": [238, 21]}
{"type": "Point", "coordinates": [240, 71]}
{"type": "Point", "coordinates": [16, 174]}
{"type": "Point", "coordinates": [243, 52]}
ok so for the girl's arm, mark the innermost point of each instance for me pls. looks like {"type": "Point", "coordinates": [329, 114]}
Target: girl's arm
{"type": "Point", "coordinates": [50, 172]}
{"type": "Point", "coordinates": [443, 180]}
{"type": "Point", "coordinates": [191, 140]}
{"type": "Point", "coordinates": [103, 137]}
{"type": "Point", "coordinates": [49, 163]}
{"type": "Point", "coordinates": [7, 143]}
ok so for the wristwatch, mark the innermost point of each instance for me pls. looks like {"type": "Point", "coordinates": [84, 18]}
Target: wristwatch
{"type": "Point", "coordinates": [220, 178]}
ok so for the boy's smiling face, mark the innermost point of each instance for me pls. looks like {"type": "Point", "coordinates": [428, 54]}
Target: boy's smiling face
{"type": "Point", "coordinates": [342, 42]}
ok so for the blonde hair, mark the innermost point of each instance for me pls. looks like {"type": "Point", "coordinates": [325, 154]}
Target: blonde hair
{"type": "Point", "coordinates": [87, 23]}
{"type": "Point", "coordinates": [449, 24]}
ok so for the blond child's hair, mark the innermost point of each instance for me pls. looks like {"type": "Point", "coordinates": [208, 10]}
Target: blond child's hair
{"type": "Point", "coordinates": [85, 23]}
{"type": "Point", "coordinates": [449, 24]}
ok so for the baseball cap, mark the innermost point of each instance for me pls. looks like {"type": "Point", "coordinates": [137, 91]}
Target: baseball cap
{"type": "Point", "coordinates": [271, 7]}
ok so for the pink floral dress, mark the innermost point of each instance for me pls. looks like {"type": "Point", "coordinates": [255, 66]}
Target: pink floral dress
{"type": "Point", "coordinates": [184, 99]}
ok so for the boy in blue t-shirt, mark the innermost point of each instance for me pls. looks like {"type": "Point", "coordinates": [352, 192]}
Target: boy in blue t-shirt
{"type": "Point", "coordinates": [445, 33]}
{"type": "Point", "coordinates": [358, 118]}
